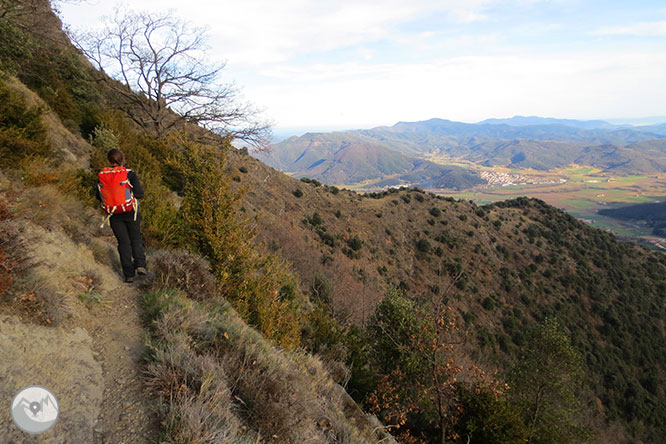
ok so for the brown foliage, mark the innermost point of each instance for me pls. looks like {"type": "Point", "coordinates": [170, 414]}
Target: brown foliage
{"type": "Point", "coordinates": [196, 402]}
{"type": "Point", "coordinates": [184, 271]}
{"type": "Point", "coordinates": [6, 267]}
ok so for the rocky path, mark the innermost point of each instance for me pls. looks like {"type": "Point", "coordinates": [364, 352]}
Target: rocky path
{"type": "Point", "coordinates": [127, 414]}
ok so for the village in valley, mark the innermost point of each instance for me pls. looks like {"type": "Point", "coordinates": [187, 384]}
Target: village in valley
{"type": "Point", "coordinates": [499, 178]}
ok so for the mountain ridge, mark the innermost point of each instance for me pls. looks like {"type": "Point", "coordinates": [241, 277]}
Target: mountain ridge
{"type": "Point", "coordinates": [544, 144]}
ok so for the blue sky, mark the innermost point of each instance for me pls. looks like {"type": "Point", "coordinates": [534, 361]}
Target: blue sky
{"type": "Point", "coordinates": [359, 63]}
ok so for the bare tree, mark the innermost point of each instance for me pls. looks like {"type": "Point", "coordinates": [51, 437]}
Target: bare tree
{"type": "Point", "coordinates": [162, 59]}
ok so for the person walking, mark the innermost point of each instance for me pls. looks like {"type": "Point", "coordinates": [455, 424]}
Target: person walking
{"type": "Point", "coordinates": [118, 189]}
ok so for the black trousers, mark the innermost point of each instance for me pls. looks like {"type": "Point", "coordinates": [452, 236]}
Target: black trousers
{"type": "Point", "coordinates": [130, 242]}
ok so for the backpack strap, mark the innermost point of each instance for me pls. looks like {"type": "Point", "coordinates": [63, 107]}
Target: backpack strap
{"type": "Point", "coordinates": [107, 219]}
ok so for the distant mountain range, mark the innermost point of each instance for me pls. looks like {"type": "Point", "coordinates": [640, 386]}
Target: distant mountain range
{"type": "Point", "coordinates": [349, 157]}
{"type": "Point", "coordinates": [397, 154]}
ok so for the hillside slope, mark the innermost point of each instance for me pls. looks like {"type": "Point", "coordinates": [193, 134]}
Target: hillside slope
{"type": "Point", "coordinates": [521, 260]}
{"type": "Point", "coordinates": [247, 340]}
{"type": "Point", "coordinates": [343, 158]}
{"type": "Point", "coordinates": [110, 351]}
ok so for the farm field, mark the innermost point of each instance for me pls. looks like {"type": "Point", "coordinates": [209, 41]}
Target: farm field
{"type": "Point", "coordinates": [581, 191]}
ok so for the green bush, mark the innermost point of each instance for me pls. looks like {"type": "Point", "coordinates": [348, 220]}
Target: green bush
{"type": "Point", "coordinates": [423, 246]}
{"type": "Point", "coordinates": [315, 220]}
{"type": "Point", "coordinates": [321, 289]}
{"type": "Point", "coordinates": [22, 132]}
{"type": "Point", "coordinates": [355, 243]}
{"type": "Point", "coordinates": [15, 46]}
{"type": "Point", "coordinates": [314, 182]}
{"type": "Point", "coordinates": [488, 418]}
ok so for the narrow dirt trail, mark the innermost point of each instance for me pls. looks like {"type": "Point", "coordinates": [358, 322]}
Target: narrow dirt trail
{"type": "Point", "coordinates": [128, 414]}
{"type": "Point", "coordinates": [108, 406]}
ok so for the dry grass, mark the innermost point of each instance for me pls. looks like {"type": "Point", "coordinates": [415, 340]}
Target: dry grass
{"type": "Point", "coordinates": [184, 271]}
{"type": "Point", "coordinates": [54, 270]}
{"type": "Point", "coordinates": [196, 401]}
{"type": "Point", "coordinates": [49, 208]}
{"type": "Point", "coordinates": [105, 254]}
{"type": "Point", "coordinates": [73, 149]}
{"type": "Point", "coordinates": [217, 377]}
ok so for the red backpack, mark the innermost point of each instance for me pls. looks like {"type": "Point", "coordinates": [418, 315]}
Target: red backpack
{"type": "Point", "coordinates": [115, 190]}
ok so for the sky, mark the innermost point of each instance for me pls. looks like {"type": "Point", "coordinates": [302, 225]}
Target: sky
{"type": "Point", "coordinates": [325, 65]}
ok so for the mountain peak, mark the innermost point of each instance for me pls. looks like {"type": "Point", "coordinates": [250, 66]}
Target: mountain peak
{"type": "Point", "coordinates": [536, 120]}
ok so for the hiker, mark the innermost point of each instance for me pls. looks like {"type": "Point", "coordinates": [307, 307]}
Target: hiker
{"type": "Point", "coordinates": [118, 189]}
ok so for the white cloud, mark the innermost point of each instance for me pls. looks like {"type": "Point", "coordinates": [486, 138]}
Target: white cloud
{"type": "Point", "coordinates": [255, 32]}
{"type": "Point", "coordinates": [643, 29]}
{"type": "Point", "coordinates": [468, 89]}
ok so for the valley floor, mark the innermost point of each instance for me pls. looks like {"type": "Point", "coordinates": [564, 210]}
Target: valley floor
{"type": "Point", "coordinates": [580, 190]}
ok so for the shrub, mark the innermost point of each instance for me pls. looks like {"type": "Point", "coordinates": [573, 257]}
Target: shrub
{"type": "Point", "coordinates": [315, 219]}
{"type": "Point", "coordinates": [184, 271]}
{"type": "Point", "coordinates": [249, 280]}
{"type": "Point", "coordinates": [423, 246]}
{"type": "Point", "coordinates": [489, 417]}
{"type": "Point", "coordinates": [22, 132]}
{"type": "Point", "coordinates": [327, 239]}
{"type": "Point", "coordinates": [321, 289]}
{"type": "Point", "coordinates": [297, 192]}
{"type": "Point", "coordinates": [314, 182]}
{"type": "Point", "coordinates": [104, 138]}
{"type": "Point", "coordinates": [355, 243]}
{"type": "Point", "coordinates": [435, 212]}
{"type": "Point", "coordinates": [243, 170]}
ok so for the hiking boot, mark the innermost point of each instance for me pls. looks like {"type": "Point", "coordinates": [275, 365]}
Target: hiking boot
{"type": "Point", "coordinates": [141, 271]}
{"type": "Point", "coordinates": [129, 280]}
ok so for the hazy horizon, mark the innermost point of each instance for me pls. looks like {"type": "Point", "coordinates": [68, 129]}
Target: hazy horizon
{"type": "Point", "coordinates": [282, 133]}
